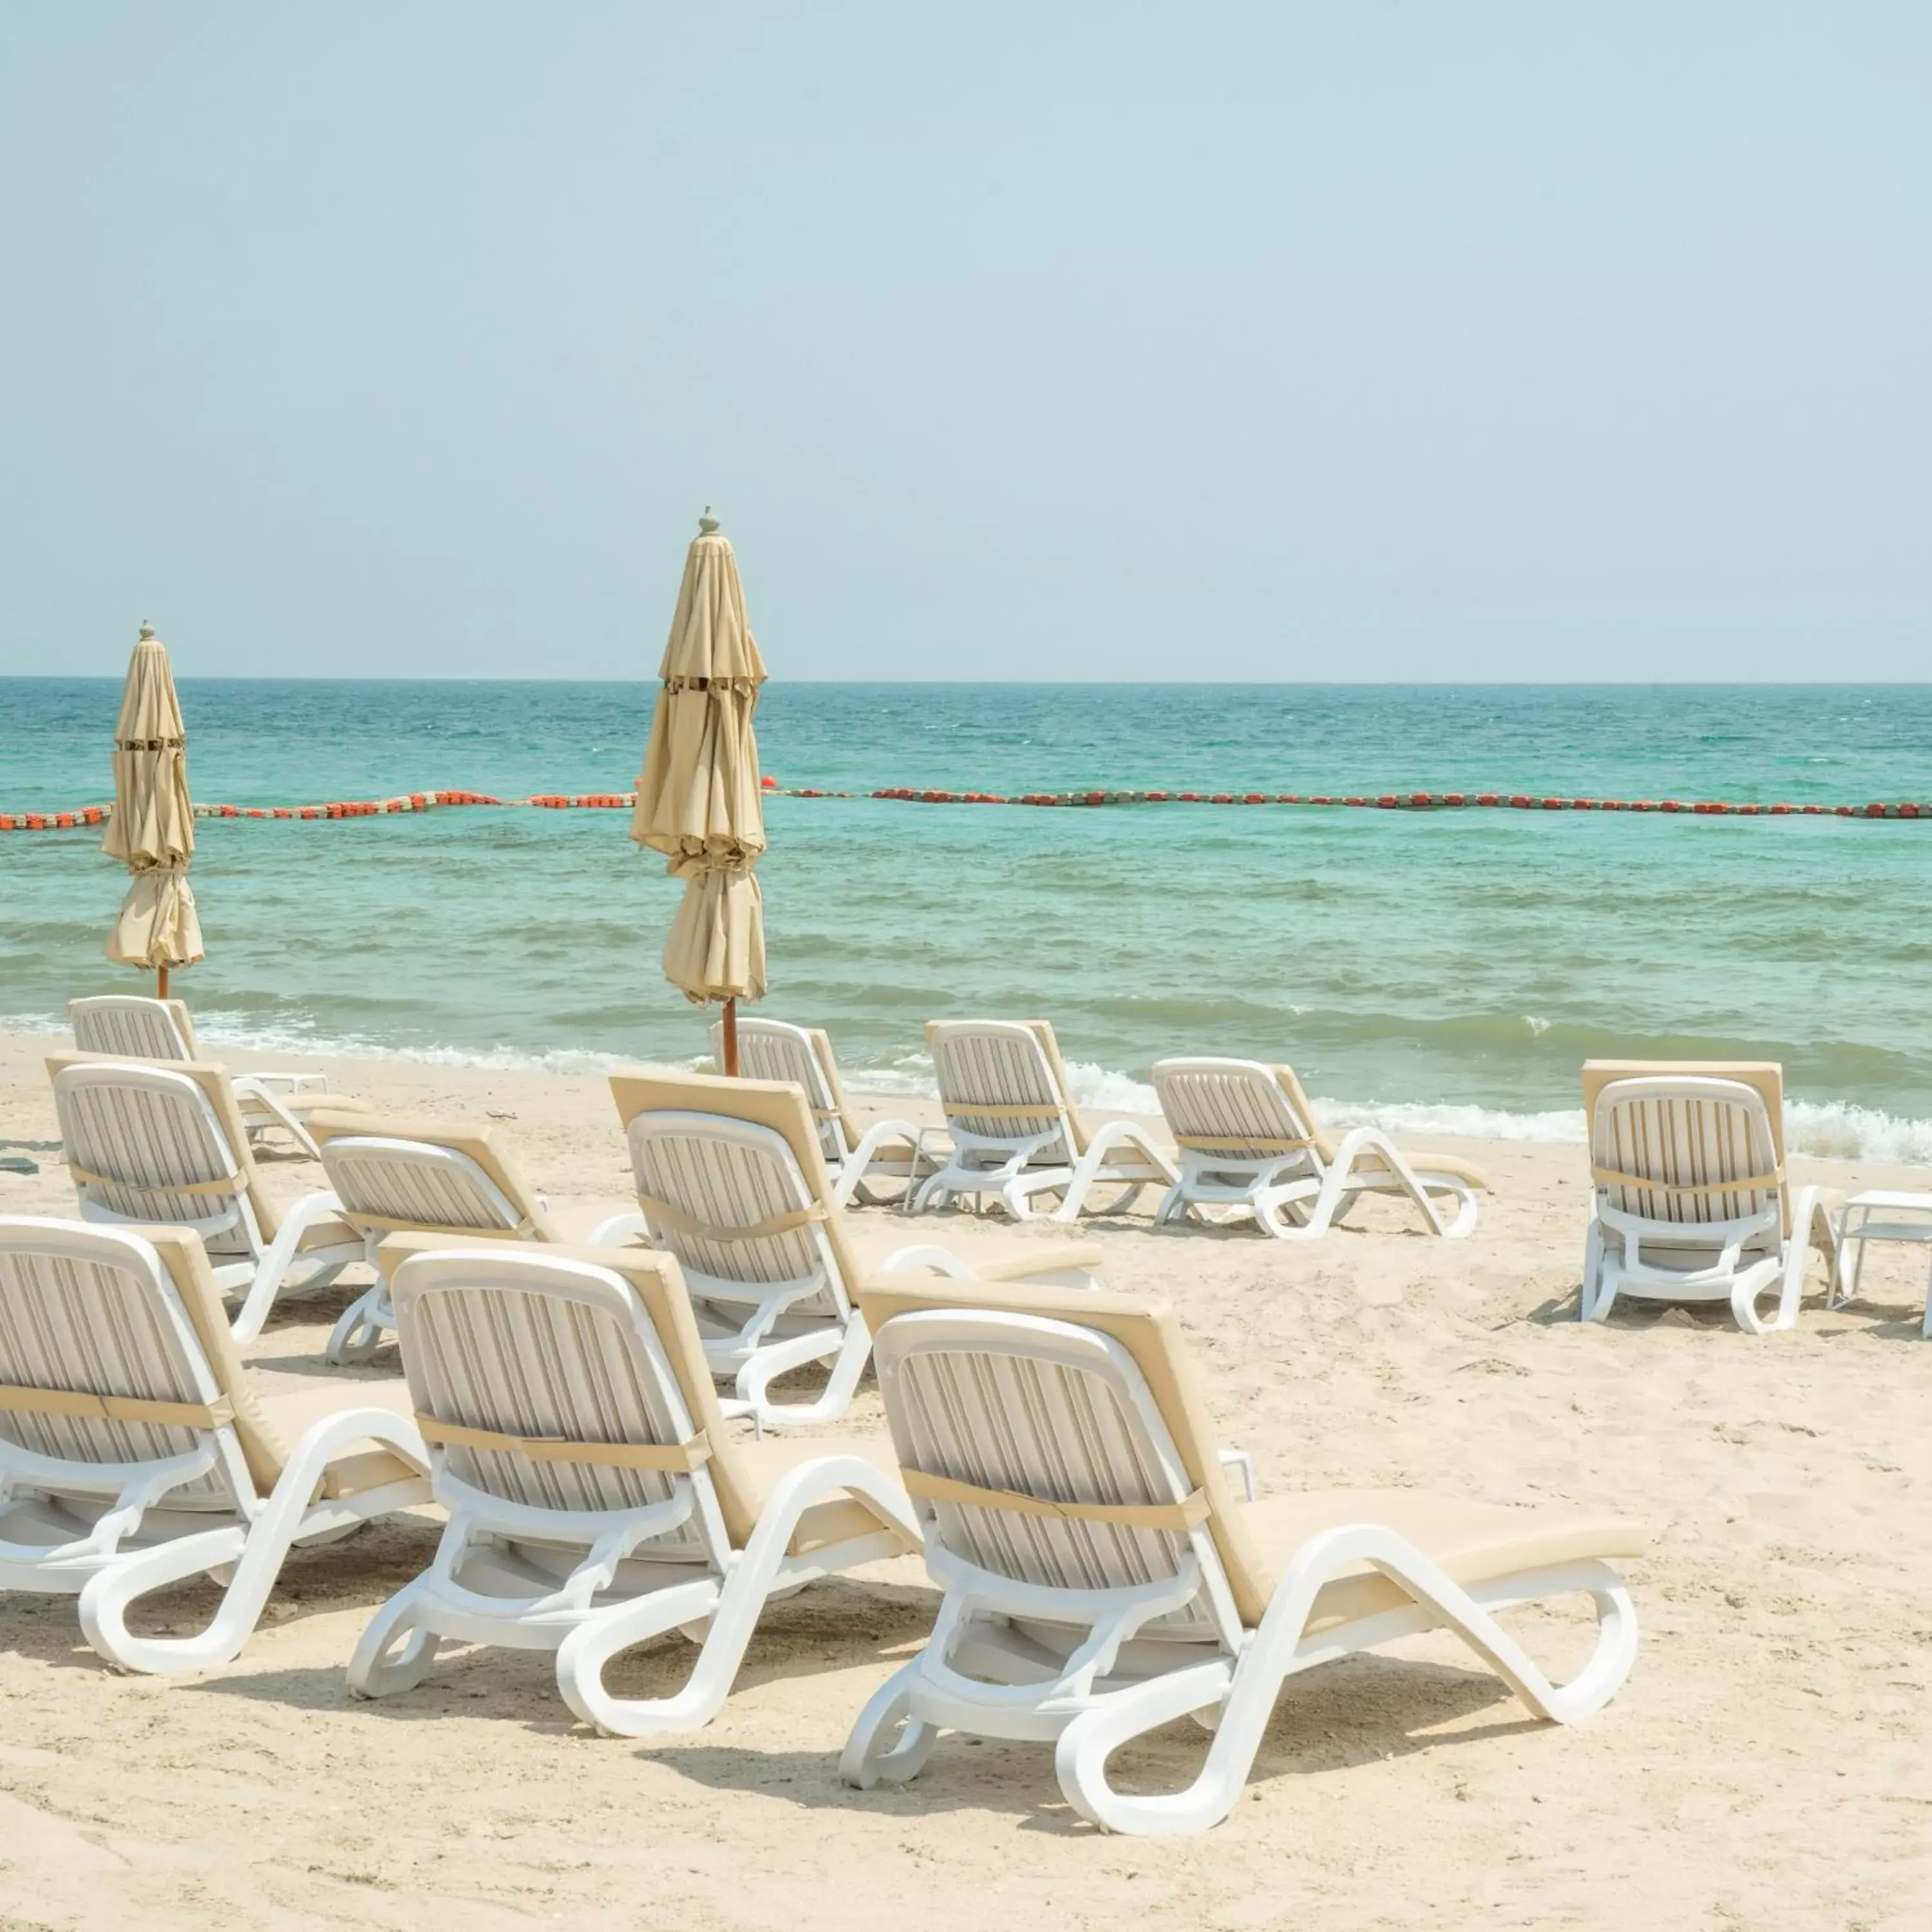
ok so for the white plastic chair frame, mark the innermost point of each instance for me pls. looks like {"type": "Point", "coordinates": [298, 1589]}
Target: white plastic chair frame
{"type": "Point", "coordinates": [132, 1026]}
{"type": "Point", "coordinates": [777, 1050]}
{"type": "Point", "coordinates": [161, 1155]}
{"type": "Point", "coordinates": [1014, 1134]}
{"type": "Point", "coordinates": [1051, 1659]}
{"type": "Point", "coordinates": [139, 1532]}
{"type": "Point", "coordinates": [1244, 1145]}
{"type": "Point", "coordinates": [583, 1582]}
{"type": "Point", "coordinates": [1699, 1214]}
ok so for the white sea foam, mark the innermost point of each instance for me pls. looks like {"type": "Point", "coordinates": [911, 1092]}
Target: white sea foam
{"type": "Point", "coordinates": [1840, 1131]}
{"type": "Point", "coordinates": [214, 1028]}
{"type": "Point", "coordinates": [1830, 1129]}
{"type": "Point", "coordinates": [1559, 1126]}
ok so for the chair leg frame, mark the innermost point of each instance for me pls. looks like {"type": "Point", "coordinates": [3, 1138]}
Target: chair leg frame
{"type": "Point", "coordinates": [756, 1572]}
{"type": "Point", "coordinates": [1235, 1695]}
{"type": "Point", "coordinates": [1008, 1176]}
{"type": "Point", "coordinates": [257, 1549]}
{"type": "Point", "coordinates": [275, 1264]}
{"type": "Point", "coordinates": [1098, 1166]}
{"type": "Point", "coordinates": [1613, 1265]}
{"type": "Point", "coordinates": [854, 1171]}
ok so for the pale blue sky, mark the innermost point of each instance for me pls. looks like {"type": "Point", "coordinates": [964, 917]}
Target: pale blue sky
{"type": "Point", "coordinates": [1359, 341]}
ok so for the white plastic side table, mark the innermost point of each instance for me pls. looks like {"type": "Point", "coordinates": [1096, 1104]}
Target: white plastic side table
{"type": "Point", "coordinates": [1882, 1216]}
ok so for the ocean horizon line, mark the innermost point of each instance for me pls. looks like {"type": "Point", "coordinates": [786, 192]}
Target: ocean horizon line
{"type": "Point", "coordinates": [117, 676]}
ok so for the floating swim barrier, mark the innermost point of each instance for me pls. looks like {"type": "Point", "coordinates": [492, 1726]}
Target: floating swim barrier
{"type": "Point", "coordinates": [85, 816]}
{"type": "Point", "coordinates": [1413, 801]}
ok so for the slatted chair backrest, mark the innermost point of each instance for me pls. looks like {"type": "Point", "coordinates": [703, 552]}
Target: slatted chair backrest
{"type": "Point", "coordinates": [146, 1144]}
{"type": "Point", "coordinates": [1687, 1150]}
{"type": "Point", "coordinates": [998, 1080]}
{"type": "Point", "coordinates": [132, 1027]}
{"type": "Point", "coordinates": [729, 1199]}
{"type": "Point", "coordinates": [1022, 1404]}
{"type": "Point", "coordinates": [386, 1184]}
{"type": "Point", "coordinates": [1235, 1108]}
{"type": "Point", "coordinates": [532, 1349]}
{"type": "Point", "coordinates": [91, 1320]}
{"type": "Point", "coordinates": [777, 1050]}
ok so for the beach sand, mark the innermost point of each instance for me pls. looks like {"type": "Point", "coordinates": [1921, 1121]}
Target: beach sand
{"type": "Point", "coordinates": [1765, 1766]}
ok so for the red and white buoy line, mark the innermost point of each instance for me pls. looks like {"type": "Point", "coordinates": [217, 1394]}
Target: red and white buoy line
{"type": "Point", "coordinates": [83, 817]}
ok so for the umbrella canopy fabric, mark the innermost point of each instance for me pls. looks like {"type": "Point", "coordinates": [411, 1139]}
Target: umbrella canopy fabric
{"type": "Point", "coordinates": [698, 795]}
{"type": "Point", "coordinates": [152, 830]}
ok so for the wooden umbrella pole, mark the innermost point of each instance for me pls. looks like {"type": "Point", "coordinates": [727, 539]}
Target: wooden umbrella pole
{"type": "Point", "coordinates": [731, 1038]}
{"type": "Point", "coordinates": [161, 981]}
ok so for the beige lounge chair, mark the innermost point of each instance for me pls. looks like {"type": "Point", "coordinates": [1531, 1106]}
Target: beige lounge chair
{"type": "Point", "coordinates": [1101, 1580]}
{"type": "Point", "coordinates": [130, 1026]}
{"type": "Point", "coordinates": [1691, 1201]}
{"type": "Point", "coordinates": [135, 1451]}
{"type": "Point", "coordinates": [890, 1149]}
{"type": "Point", "coordinates": [1015, 1132]}
{"type": "Point", "coordinates": [1249, 1141]}
{"type": "Point", "coordinates": [148, 1142]}
{"type": "Point", "coordinates": [596, 1500]}
{"type": "Point", "coordinates": [731, 1180]}
{"type": "Point", "coordinates": [389, 1174]}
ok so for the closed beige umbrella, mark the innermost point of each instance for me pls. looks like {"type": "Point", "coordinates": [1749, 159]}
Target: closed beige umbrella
{"type": "Point", "coordinates": [698, 796]}
{"type": "Point", "coordinates": [152, 830]}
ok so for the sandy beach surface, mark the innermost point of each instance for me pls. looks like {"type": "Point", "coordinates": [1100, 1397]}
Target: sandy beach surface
{"type": "Point", "coordinates": [1766, 1765]}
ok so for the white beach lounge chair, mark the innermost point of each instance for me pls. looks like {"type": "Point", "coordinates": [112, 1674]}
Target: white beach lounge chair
{"type": "Point", "coordinates": [390, 1175]}
{"type": "Point", "coordinates": [730, 1179]}
{"type": "Point", "coordinates": [1691, 1202]}
{"type": "Point", "coordinates": [149, 1142]}
{"type": "Point", "coordinates": [1249, 1141]}
{"type": "Point", "coordinates": [1101, 1581]}
{"type": "Point", "coordinates": [135, 1451]}
{"type": "Point", "coordinates": [129, 1026]}
{"type": "Point", "coordinates": [1014, 1132]}
{"type": "Point", "coordinates": [888, 1150]}
{"type": "Point", "coordinates": [595, 1499]}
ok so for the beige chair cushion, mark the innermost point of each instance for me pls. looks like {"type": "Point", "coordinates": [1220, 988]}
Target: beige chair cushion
{"type": "Point", "coordinates": [290, 1417]}
{"type": "Point", "coordinates": [1043, 1031]}
{"type": "Point", "coordinates": [742, 1480]}
{"type": "Point", "coordinates": [764, 1463]}
{"type": "Point", "coordinates": [269, 1427]}
{"type": "Point", "coordinates": [304, 1105]}
{"type": "Point", "coordinates": [1009, 1261]}
{"type": "Point", "coordinates": [1474, 1541]}
{"type": "Point", "coordinates": [481, 1144]}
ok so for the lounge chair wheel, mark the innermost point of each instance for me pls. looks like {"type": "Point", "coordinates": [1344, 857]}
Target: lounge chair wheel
{"type": "Point", "coordinates": [696, 1631]}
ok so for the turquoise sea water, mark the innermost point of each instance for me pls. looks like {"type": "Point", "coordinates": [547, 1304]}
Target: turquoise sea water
{"type": "Point", "coordinates": [1444, 969]}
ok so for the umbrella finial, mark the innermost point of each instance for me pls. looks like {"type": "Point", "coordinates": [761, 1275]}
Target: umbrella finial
{"type": "Point", "coordinates": [707, 523]}
{"type": "Point", "coordinates": [147, 631]}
